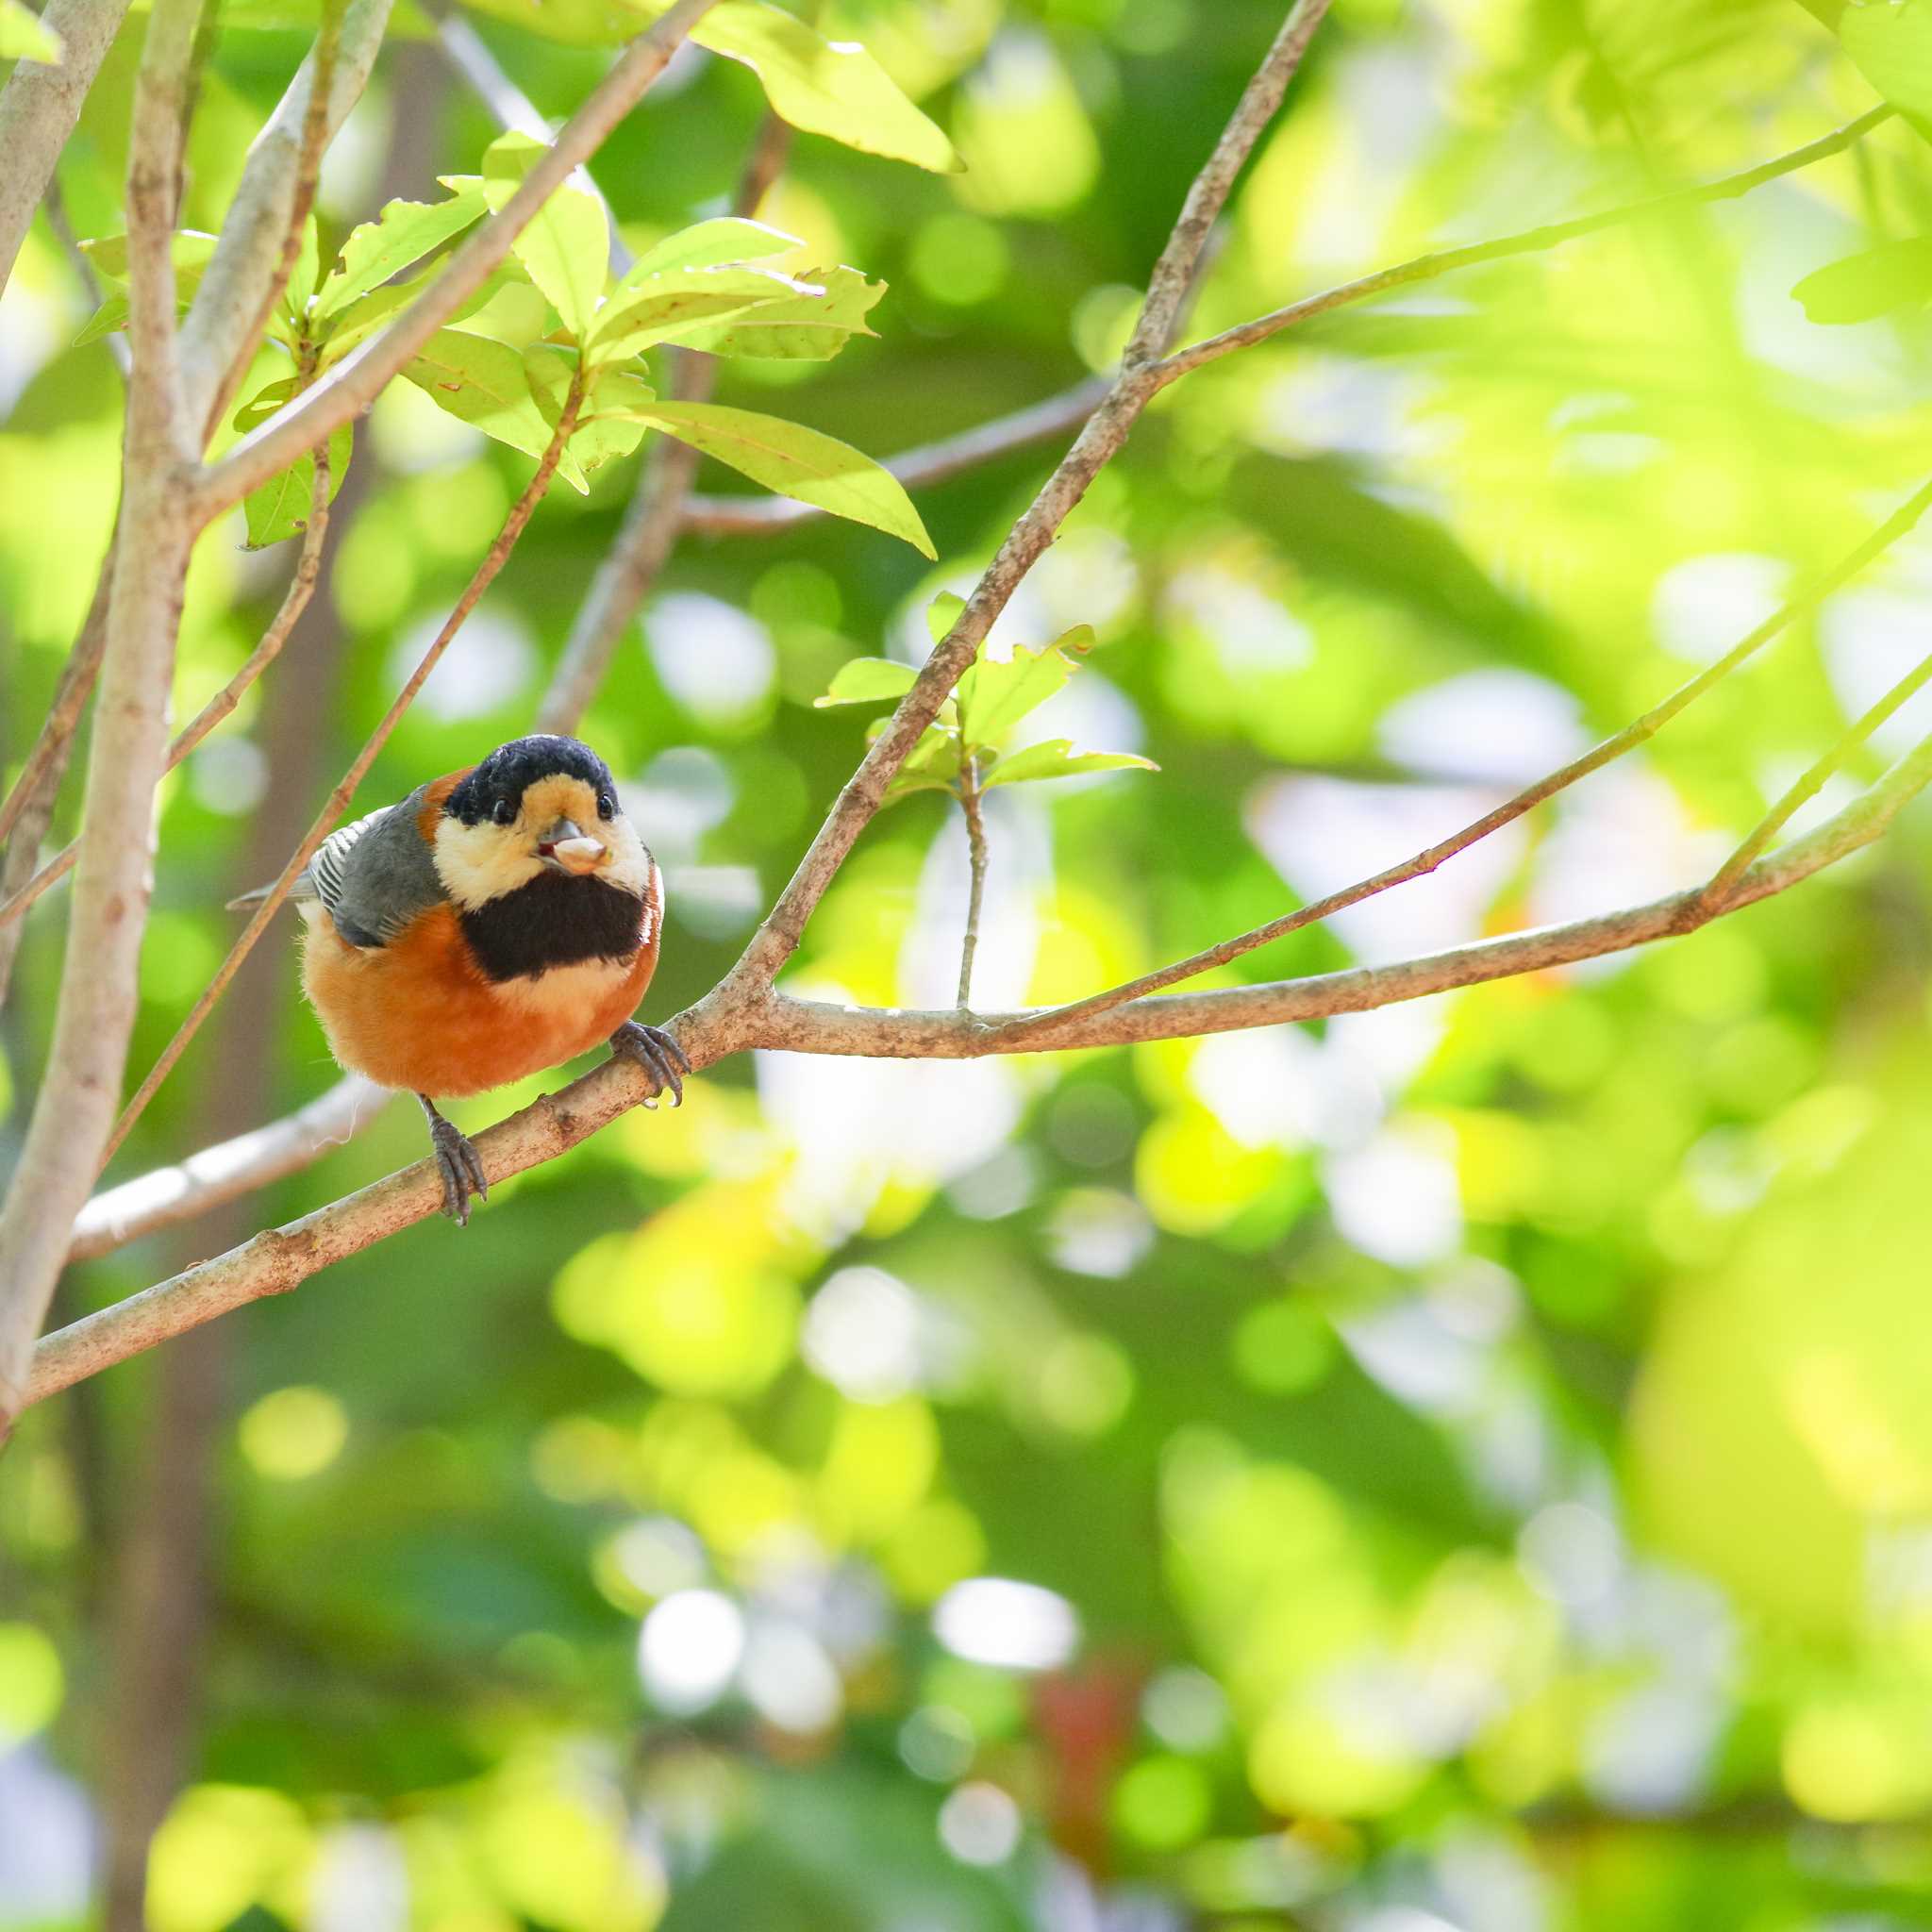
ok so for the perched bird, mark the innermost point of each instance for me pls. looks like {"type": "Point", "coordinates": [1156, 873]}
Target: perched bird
{"type": "Point", "coordinates": [495, 923]}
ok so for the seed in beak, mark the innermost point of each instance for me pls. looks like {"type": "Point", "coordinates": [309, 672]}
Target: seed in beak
{"type": "Point", "coordinates": [570, 849]}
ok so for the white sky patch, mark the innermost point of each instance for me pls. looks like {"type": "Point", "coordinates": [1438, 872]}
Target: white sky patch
{"type": "Point", "coordinates": [47, 1850]}
{"type": "Point", "coordinates": [1396, 1197]}
{"type": "Point", "coordinates": [979, 1824]}
{"type": "Point", "coordinates": [1704, 605]}
{"type": "Point", "coordinates": [1100, 1231]}
{"type": "Point", "coordinates": [1249, 630]}
{"type": "Point", "coordinates": [1651, 1751]}
{"type": "Point", "coordinates": [688, 1650]}
{"type": "Point", "coordinates": [681, 795]}
{"type": "Point", "coordinates": [229, 776]}
{"type": "Point", "coordinates": [1322, 834]}
{"type": "Point", "coordinates": [714, 658]}
{"type": "Point", "coordinates": [1498, 727]}
{"type": "Point", "coordinates": [1872, 635]}
{"type": "Point", "coordinates": [1404, 1345]}
{"type": "Point", "coordinates": [862, 1335]}
{"type": "Point", "coordinates": [1018, 1626]}
{"type": "Point", "coordinates": [790, 1680]}
{"type": "Point", "coordinates": [361, 1883]}
{"type": "Point", "coordinates": [489, 664]}
{"type": "Point", "coordinates": [1571, 1553]}
{"type": "Point", "coordinates": [857, 1124]}
{"type": "Point", "coordinates": [34, 329]}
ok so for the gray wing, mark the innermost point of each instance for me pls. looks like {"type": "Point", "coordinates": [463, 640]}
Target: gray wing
{"type": "Point", "coordinates": [374, 876]}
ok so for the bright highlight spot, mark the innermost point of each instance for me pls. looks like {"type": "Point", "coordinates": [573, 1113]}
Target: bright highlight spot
{"type": "Point", "coordinates": [992, 1620]}
{"type": "Point", "coordinates": [689, 1648]}
{"type": "Point", "coordinates": [979, 1824]}
{"type": "Point", "coordinates": [293, 1433]}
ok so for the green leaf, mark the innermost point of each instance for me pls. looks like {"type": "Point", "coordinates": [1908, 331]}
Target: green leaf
{"type": "Point", "coordinates": [598, 437]}
{"type": "Point", "coordinates": [192, 250]}
{"type": "Point", "coordinates": [803, 328]}
{"type": "Point", "coordinates": [1056, 758]}
{"type": "Point", "coordinates": [1891, 43]}
{"type": "Point", "coordinates": [1869, 284]}
{"type": "Point", "coordinates": [831, 88]}
{"type": "Point", "coordinates": [667, 307]}
{"type": "Point", "coordinates": [295, 297]}
{"type": "Point", "coordinates": [797, 462]}
{"type": "Point", "coordinates": [483, 383]}
{"type": "Point", "coordinates": [567, 246]}
{"type": "Point", "coordinates": [942, 613]}
{"type": "Point", "coordinates": [993, 697]}
{"type": "Point", "coordinates": [265, 403]}
{"type": "Point", "coordinates": [281, 507]}
{"type": "Point", "coordinates": [867, 681]}
{"type": "Point", "coordinates": [110, 316]}
{"type": "Point", "coordinates": [24, 36]}
{"type": "Point", "coordinates": [711, 244]}
{"type": "Point", "coordinates": [403, 232]}
{"type": "Point", "coordinates": [932, 765]}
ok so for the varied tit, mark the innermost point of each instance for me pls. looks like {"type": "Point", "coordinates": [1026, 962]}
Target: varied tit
{"type": "Point", "coordinates": [495, 923]}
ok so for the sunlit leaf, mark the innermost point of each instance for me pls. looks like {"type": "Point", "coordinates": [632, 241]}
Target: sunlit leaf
{"type": "Point", "coordinates": [483, 383]}
{"type": "Point", "coordinates": [932, 765]}
{"type": "Point", "coordinates": [835, 89]}
{"type": "Point", "coordinates": [1871, 284]}
{"type": "Point", "coordinates": [993, 697]}
{"type": "Point", "coordinates": [597, 439]}
{"type": "Point", "coordinates": [811, 327]}
{"type": "Point", "coordinates": [866, 680]}
{"type": "Point", "coordinates": [281, 507]}
{"type": "Point", "coordinates": [1056, 758]}
{"type": "Point", "coordinates": [192, 250]}
{"type": "Point", "coordinates": [24, 36]}
{"type": "Point", "coordinates": [673, 306]}
{"type": "Point", "coordinates": [1890, 45]}
{"type": "Point", "coordinates": [566, 246]}
{"type": "Point", "coordinates": [798, 462]}
{"type": "Point", "coordinates": [942, 613]}
{"type": "Point", "coordinates": [710, 245]}
{"type": "Point", "coordinates": [403, 233]}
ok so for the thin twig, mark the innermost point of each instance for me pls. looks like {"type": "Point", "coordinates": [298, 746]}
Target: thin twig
{"type": "Point", "coordinates": [281, 1259]}
{"type": "Point", "coordinates": [1531, 241]}
{"type": "Point", "coordinates": [355, 382]}
{"type": "Point", "coordinates": [1807, 600]}
{"type": "Point", "coordinates": [339, 799]}
{"type": "Point", "coordinates": [295, 601]}
{"type": "Point", "coordinates": [970, 803]}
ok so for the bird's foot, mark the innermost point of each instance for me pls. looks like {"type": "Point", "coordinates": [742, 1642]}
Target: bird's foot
{"type": "Point", "coordinates": [460, 1164]}
{"type": "Point", "coordinates": [653, 1049]}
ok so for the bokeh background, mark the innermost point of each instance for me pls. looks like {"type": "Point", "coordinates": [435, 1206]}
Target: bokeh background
{"type": "Point", "coordinates": [1465, 1465]}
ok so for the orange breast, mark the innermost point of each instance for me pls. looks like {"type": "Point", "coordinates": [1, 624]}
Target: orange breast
{"type": "Point", "coordinates": [418, 1013]}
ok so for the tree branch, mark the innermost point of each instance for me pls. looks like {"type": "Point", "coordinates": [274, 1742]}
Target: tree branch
{"type": "Point", "coordinates": [99, 986]}
{"type": "Point", "coordinates": [217, 338]}
{"type": "Point", "coordinates": [1105, 430]}
{"type": "Point", "coordinates": [38, 108]}
{"type": "Point", "coordinates": [976, 854]}
{"type": "Point", "coordinates": [281, 1259]}
{"type": "Point", "coordinates": [355, 382]}
{"type": "Point", "coordinates": [1531, 241]}
{"type": "Point", "coordinates": [1637, 732]}
{"type": "Point", "coordinates": [338, 803]}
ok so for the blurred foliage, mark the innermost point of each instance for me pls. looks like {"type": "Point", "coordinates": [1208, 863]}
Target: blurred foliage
{"type": "Point", "coordinates": [1465, 1465]}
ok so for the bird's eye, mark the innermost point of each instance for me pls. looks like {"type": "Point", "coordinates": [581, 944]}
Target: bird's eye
{"type": "Point", "coordinates": [607, 805]}
{"type": "Point", "coordinates": [505, 811]}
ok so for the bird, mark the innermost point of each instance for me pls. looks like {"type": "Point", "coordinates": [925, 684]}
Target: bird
{"type": "Point", "coordinates": [498, 920]}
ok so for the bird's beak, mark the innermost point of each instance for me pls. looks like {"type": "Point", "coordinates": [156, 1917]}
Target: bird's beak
{"type": "Point", "coordinates": [570, 849]}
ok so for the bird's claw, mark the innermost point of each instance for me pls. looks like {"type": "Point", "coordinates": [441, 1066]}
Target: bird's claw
{"type": "Point", "coordinates": [658, 1054]}
{"type": "Point", "coordinates": [461, 1168]}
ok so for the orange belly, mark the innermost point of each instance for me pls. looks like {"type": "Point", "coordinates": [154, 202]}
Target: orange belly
{"type": "Point", "coordinates": [418, 1014]}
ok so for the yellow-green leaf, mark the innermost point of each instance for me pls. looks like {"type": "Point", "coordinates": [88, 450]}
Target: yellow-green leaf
{"type": "Point", "coordinates": [670, 306]}
{"type": "Point", "coordinates": [25, 36]}
{"type": "Point", "coordinates": [566, 246]}
{"type": "Point", "coordinates": [831, 88]}
{"type": "Point", "coordinates": [1056, 758]}
{"type": "Point", "coordinates": [598, 437]}
{"type": "Point", "coordinates": [483, 383]}
{"type": "Point", "coordinates": [809, 327]}
{"type": "Point", "coordinates": [867, 681]}
{"type": "Point", "coordinates": [798, 462]}
{"type": "Point", "coordinates": [993, 697]}
{"type": "Point", "coordinates": [710, 245]}
{"type": "Point", "coordinates": [1891, 43]}
{"type": "Point", "coordinates": [402, 233]}
{"type": "Point", "coordinates": [281, 506]}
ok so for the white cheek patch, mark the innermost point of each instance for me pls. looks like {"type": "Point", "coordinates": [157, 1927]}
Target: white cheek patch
{"type": "Point", "coordinates": [629, 866]}
{"type": "Point", "coordinates": [481, 862]}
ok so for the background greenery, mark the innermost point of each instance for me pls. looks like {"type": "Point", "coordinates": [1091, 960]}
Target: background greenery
{"type": "Point", "coordinates": [1467, 1465]}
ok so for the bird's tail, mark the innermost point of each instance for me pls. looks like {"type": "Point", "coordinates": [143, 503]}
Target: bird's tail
{"type": "Point", "coordinates": [244, 901]}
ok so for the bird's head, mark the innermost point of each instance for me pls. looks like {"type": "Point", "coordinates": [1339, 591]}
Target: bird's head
{"type": "Point", "coordinates": [536, 807]}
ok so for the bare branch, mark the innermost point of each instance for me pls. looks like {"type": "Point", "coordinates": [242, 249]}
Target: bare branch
{"type": "Point", "coordinates": [1531, 241]}
{"type": "Point", "coordinates": [355, 382]}
{"type": "Point", "coordinates": [218, 337]}
{"type": "Point", "coordinates": [282, 1259]}
{"type": "Point", "coordinates": [1653, 721]}
{"type": "Point", "coordinates": [99, 984]}
{"type": "Point", "coordinates": [976, 852]}
{"type": "Point", "coordinates": [931, 462]}
{"type": "Point", "coordinates": [38, 107]}
{"type": "Point", "coordinates": [656, 515]}
{"type": "Point", "coordinates": [1105, 430]}
{"type": "Point", "coordinates": [338, 803]}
